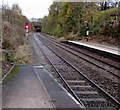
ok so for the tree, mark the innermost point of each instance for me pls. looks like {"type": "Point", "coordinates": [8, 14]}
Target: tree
{"type": "Point", "coordinates": [16, 9]}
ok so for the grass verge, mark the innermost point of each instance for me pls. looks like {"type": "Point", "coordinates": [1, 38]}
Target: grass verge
{"type": "Point", "coordinates": [12, 75]}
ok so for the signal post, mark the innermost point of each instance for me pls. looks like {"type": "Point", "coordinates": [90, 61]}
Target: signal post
{"type": "Point", "coordinates": [27, 27]}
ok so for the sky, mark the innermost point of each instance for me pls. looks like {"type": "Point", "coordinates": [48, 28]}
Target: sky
{"type": "Point", "coordinates": [32, 8]}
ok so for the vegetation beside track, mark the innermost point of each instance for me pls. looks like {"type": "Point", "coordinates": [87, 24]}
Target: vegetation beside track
{"type": "Point", "coordinates": [13, 37]}
{"type": "Point", "coordinates": [69, 21]}
{"type": "Point", "coordinates": [11, 75]}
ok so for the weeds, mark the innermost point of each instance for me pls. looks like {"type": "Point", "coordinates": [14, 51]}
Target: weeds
{"type": "Point", "coordinates": [12, 75]}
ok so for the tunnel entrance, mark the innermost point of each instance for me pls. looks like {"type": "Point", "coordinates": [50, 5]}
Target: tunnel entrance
{"type": "Point", "coordinates": [37, 28]}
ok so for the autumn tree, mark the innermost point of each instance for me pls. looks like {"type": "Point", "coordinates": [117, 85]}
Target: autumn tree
{"type": "Point", "coordinates": [73, 19]}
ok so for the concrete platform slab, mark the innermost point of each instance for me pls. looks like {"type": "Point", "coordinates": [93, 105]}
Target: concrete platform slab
{"type": "Point", "coordinates": [25, 91]}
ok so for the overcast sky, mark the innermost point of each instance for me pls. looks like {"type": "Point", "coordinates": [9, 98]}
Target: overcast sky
{"type": "Point", "coordinates": [32, 8]}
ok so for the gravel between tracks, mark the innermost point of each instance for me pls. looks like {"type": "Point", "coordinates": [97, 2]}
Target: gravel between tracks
{"type": "Point", "coordinates": [110, 84]}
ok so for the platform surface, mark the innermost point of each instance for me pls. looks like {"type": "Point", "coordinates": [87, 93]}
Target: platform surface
{"type": "Point", "coordinates": [113, 50]}
{"type": "Point", "coordinates": [25, 91]}
{"type": "Point", "coordinates": [34, 87]}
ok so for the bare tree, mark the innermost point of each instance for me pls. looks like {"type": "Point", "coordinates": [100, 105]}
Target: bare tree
{"type": "Point", "coordinates": [16, 9]}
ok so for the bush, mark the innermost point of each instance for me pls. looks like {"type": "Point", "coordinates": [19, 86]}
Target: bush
{"type": "Point", "coordinates": [9, 56]}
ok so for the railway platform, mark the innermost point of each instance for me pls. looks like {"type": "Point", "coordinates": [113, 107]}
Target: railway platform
{"type": "Point", "coordinates": [34, 87]}
{"type": "Point", "coordinates": [104, 48]}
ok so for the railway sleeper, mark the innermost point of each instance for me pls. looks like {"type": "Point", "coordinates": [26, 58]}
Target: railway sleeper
{"type": "Point", "coordinates": [86, 92]}
{"type": "Point", "coordinates": [80, 86]}
{"type": "Point", "coordinates": [83, 89]}
{"type": "Point", "coordinates": [94, 99]}
{"type": "Point", "coordinates": [68, 77]}
{"type": "Point", "coordinates": [75, 81]}
{"type": "Point", "coordinates": [89, 95]}
{"type": "Point", "coordinates": [80, 82]}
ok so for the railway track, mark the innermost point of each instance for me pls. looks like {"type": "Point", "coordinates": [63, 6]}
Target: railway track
{"type": "Point", "coordinates": [103, 79]}
{"type": "Point", "coordinates": [116, 66]}
{"type": "Point", "coordinates": [77, 53]}
{"type": "Point", "coordinates": [88, 93]}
